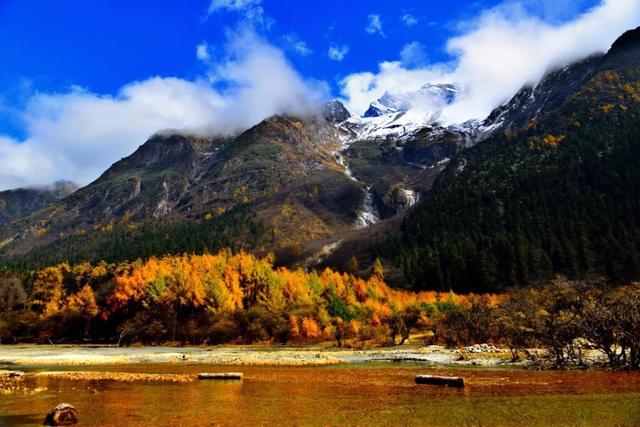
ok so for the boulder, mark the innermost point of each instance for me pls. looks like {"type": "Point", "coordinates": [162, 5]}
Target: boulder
{"type": "Point", "coordinates": [457, 382]}
{"type": "Point", "coordinates": [220, 376]}
{"type": "Point", "coordinates": [62, 415]}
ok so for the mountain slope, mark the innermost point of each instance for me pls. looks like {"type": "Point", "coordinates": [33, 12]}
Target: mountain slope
{"type": "Point", "coordinates": [281, 173]}
{"type": "Point", "coordinates": [535, 189]}
{"type": "Point", "coordinates": [559, 195]}
{"type": "Point", "coordinates": [15, 204]}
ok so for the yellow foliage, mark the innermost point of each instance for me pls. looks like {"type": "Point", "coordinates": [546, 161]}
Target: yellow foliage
{"type": "Point", "coordinates": [309, 329]}
{"type": "Point", "coordinates": [126, 217]}
{"type": "Point", "coordinates": [606, 108]}
{"type": "Point", "coordinates": [313, 306]}
{"type": "Point", "coordinates": [239, 191]}
{"type": "Point", "coordinates": [552, 140]}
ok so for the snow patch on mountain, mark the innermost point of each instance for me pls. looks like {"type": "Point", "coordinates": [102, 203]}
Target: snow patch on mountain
{"type": "Point", "coordinates": [403, 115]}
{"type": "Point", "coordinates": [429, 98]}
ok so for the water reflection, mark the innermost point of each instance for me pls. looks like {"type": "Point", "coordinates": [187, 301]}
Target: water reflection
{"type": "Point", "coordinates": [382, 394]}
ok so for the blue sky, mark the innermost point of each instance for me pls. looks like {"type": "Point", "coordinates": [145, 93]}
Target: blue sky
{"type": "Point", "coordinates": [208, 58]}
{"type": "Point", "coordinates": [102, 45]}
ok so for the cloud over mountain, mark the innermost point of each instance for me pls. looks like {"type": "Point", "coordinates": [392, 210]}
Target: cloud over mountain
{"type": "Point", "coordinates": [496, 54]}
{"type": "Point", "coordinates": [77, 134]}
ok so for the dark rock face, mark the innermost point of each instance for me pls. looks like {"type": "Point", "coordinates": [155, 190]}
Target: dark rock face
{"type": "Point", "coordinates": [335, 112]}
{"type": "Point", "coordinates": [396, 201]}
{"type": "Point", "coordinates": [624, 52]}
{"type": "Point", "coordinates": [433, 147]}
{"type": "Point", "coordinates": [532, 102]}
{"type": "Point", "coordinates": [18, 203]}
{"type": "Point", "coordinates": [630, 39]}
{"type": "Point", "coordinates": [62, 415]}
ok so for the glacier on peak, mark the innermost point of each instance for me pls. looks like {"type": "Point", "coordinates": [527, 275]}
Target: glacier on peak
{"type": "Point", "coordinates": [402, 115]}
{"type": "Point", "coordinates": [428, 98]}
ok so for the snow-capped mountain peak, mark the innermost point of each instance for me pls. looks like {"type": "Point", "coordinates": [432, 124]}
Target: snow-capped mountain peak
{"type": "Point", "coordinates": [429, 97]}
{"type": "Point", "coordinates": [403, 114]}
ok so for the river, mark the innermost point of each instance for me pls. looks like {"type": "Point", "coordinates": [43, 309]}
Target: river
{"type": "Point", "coordinates": [367, 214]}
{"type": "Point", "coordinates": [368, 394]}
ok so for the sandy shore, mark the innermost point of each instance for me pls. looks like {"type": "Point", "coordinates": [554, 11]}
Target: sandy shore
{"type": "Point", "coordinates": [49, 355]}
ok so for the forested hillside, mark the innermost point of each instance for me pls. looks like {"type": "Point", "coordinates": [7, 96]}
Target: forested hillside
{"type": "Point", "coordinates": [123, 240]}
{"type": "Point", "coordinates": [561, 195]}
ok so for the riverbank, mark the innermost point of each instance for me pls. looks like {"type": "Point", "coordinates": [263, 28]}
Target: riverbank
{"type": "Point", "coordinates": [257, 355]}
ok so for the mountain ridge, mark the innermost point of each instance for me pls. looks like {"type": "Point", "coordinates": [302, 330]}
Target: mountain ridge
{"type": "Point", "coordinates": [302, 185]}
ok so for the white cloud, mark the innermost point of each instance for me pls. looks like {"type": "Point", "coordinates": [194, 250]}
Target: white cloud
{"type": "Point", "coordinates": [251, 10]}
{"type": "Point", "coordinates": [495, 55]}
{"type": "Point", "coordinates": [413, 55]}
{"type": "Point", "coordinates": [76, 135]}
{"type": "Point", "coordinates": [374, 25]}
{"type": "Point", "coordinates": [409, 20]}
{"type": "Point", "coordinates": [202, 52]}
{"type": "Point", "coordinates": [294, 43]}
{"type": "Point", "coordinates": [360, 89]}
{"type": "Point", "coordinates": [217, 5]}
{"type": "Point", "coordinates": [22, 165]}
{"type": "Point", "coordinates": [548, 10]}
{"type": "Point", "coordinates": [337, 53]}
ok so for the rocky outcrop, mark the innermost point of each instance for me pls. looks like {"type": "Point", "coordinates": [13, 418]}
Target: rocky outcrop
{"type": "Point", "coordinates": [62, 415]}
{"type": "Point", "coordinates": [335, 112]}
{"type": "Point", "coordinates": [21, 202]}
{"type": "Point", "coordinates": [397, 200]}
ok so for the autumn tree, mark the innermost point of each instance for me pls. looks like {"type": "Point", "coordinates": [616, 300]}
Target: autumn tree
{"type": "Point", "coordinates": [47, 290]}
{"type": "Point", "coordinates": [82, 305]}
{"type": "Point", "coordinates": [12, 295]}
{"type": "Point", "coordinates": [352, 265]}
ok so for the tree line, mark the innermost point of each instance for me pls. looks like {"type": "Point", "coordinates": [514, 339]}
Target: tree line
{"type": "Point", "coordinates": [240, 298]}
{"type": "Point", "coordinates": [121, 240]}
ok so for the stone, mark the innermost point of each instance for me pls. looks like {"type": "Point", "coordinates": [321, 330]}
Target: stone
{"type": "Point", "coordinates": [220, 376]}
{"type": "Point", "coordinates": [62, 415]}
{"type": "Point", "coordinates": [457, 382]}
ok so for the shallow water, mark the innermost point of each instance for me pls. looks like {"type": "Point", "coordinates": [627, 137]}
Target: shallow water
{"type": "Point", "coordinates": [370, 394]}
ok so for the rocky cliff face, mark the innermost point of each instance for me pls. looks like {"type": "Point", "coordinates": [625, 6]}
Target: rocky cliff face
{"type": "Point", "coordinates": [21, 202]}
{"type": "Point", "coordinates": [282, 170]}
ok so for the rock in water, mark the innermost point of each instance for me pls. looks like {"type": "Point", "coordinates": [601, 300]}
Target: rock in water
{"type": "Point", "coordinates": [220, 376]}
{"type": "Point", "coordinates": [440, 380]}
{"type": "Point", "coordinates": [62, 415]}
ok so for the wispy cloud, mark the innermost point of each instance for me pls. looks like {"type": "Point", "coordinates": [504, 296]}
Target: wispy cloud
{"type": "Point", "coordinates": [251, 11]}
{"type": "Point", "coordinates": [337, 53]}
{"type": "Point", "coordinates": [409, 20]}
{"type": "Point", "coordinates": [202, 52]}
{"type": "Point", "coordinates": [295, 44]}
{"type": "Point", "coordinates": [413, 55]}
{"type": "Point", "coordinates": [374, 25]}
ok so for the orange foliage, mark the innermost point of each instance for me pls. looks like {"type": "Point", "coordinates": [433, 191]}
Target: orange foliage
{"type": "Point", "coordinates": [194, 291]}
